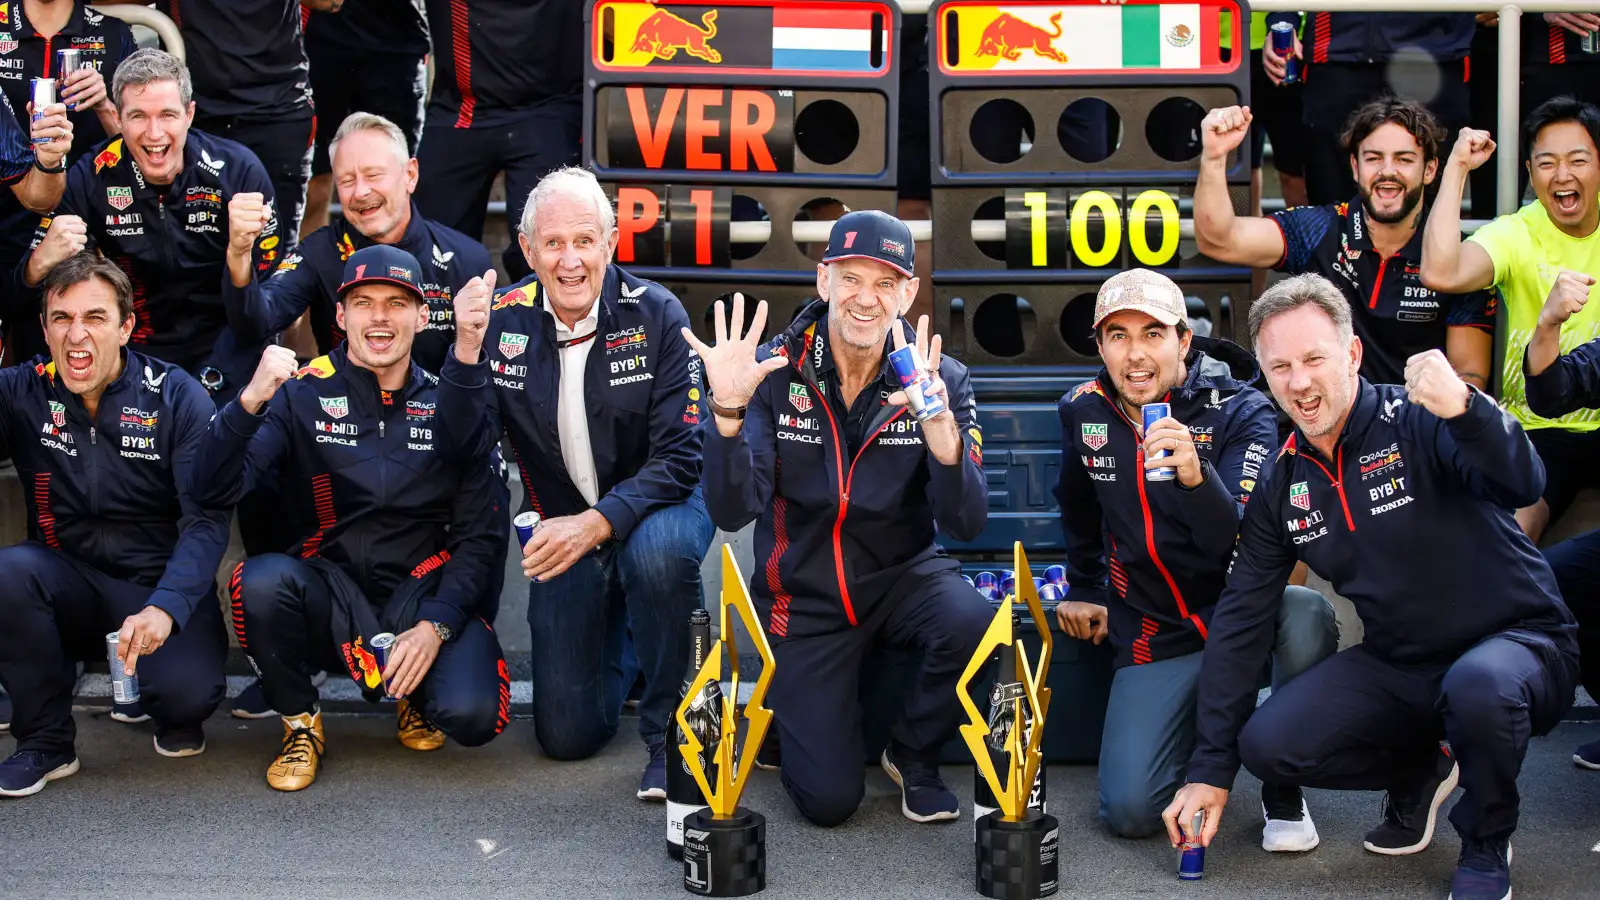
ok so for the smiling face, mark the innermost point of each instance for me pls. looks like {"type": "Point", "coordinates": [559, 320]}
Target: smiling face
{"type": "Point", "coordinates": [569, 251]}
{"type": "Point", "coordinates": [155, 127]}
{"type": "Point", "coordinates": [1143, 356]}
{"type": "Point", "coordinates": [1391, 174]}
{"type": "Point", "coordinates": [85, 335]}
{"type": "Point", "coordinates": [375, 185]}
{"type": "Point", "coordinates": [865, 298]}
{"type": "Point", "coordinates": [1563, 170]}
{"type": "Point", "coordinates": [380, 321]}
{"type": "Point", "coordinates": [1310, 367]}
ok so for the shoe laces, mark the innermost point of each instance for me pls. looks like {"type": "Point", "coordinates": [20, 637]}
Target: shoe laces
{"type": "Point", "coordinates": [412, 719]}
{"type": "Point", "coordinates": [916, 774]}
{"type": "Point", "coordinates": [1484, 856]}
{"type": "Point", "coordinates": [34, 758]}
{"type": "Point", "coordinates": [300, 745]}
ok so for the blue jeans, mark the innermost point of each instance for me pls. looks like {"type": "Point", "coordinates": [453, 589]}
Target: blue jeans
{"type": "Point", "coordinates": [580, 622]}
{"type": "Point", "coordinates": [1149, 732]}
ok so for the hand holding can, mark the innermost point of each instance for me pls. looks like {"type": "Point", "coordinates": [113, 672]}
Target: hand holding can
{"type": "Point", "coordinates": [916, 368]}
{"type": "Point", "coordinates": [1192, 853]}
{"type": "Point", "coordinates": [1151, 414]}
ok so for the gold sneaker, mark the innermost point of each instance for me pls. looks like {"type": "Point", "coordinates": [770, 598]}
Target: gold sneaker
{"type": "Point", "coordinates": [416, 732]}
{"type": "Point", "coordinates": [301, 756]}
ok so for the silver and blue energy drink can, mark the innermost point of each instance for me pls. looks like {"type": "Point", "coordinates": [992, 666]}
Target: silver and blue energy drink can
{"type": "Point", "coordinates": [909, 369]}
{"type": "Point", "coordinates": [525, 524]}
{"type": "Point", "coordinates": [1050, 593]}
{"type": "Point", "coordinates": [1192, 856]}
{"type": "Point", "coordinates": [43, 94]}
{"type": "Point", "coordinates": [380, 649]}
{"type": "Point", "coordinates": [1153, 413]}
{"type": "Point", "coordinates": [1056, 575]}
{"type": "Point", "coordinates": [70, 60]}
{"type": "Point", "coordinates": [124, 688]}
{"type": "Point", "coordinates": [1282, 36]}
{"type": "Point", "coordinates": [1591, 42]}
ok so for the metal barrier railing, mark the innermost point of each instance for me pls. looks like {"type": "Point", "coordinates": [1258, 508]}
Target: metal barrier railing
{"type": "Point", "coordinates": [165, 28]}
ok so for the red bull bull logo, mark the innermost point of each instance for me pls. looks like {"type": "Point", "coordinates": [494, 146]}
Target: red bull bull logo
{"type": "Point", "coordinates": [664, 34]}
{"type": "Point", "coordinates": [346, 249]}
{"type": "Point", "coordinates": [109, 157]}
{"type": "Point", "coordinates": [1008, 36]}
{"type": "Point", "coordinates": [321, 367]}
{"type": "Point", "coordinates": [362, 664]}
{"type": "Point", "coordinates": [522, 296]}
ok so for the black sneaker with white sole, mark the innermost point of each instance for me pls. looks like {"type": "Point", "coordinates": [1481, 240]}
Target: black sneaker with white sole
{"type": "Point", "coordinates": [177, 743]}
{"type": "Point", "coordinates": [1586, 756]}
{"type": "Point", "coordinates": [27, 771]}
{"type": "Point", "coordinates": [924, 797]}
{"type": "Point", "coordinates": [1410, 813]}
{"type": "Point", "coordinates": [129, 713]}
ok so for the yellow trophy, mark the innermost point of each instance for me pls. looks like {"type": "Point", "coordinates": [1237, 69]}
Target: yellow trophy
{"type": "Point", "coordinates": [724, 844]}
{"type": "Point", "coordinates": [1016, 844]}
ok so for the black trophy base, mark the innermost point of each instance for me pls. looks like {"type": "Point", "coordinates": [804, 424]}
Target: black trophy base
{"type": "Point", "coordinates": [725, 857]}
{"type": "Point", "coordinates": [675, 850]}
{"type": "Point", "coordinates": [1017, 860]}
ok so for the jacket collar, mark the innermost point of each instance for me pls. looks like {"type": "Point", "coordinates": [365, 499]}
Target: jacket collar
{"type": "Point", "coordinates": [1358, 232]}
{"type": "Point", "coordinates": [364, 381]}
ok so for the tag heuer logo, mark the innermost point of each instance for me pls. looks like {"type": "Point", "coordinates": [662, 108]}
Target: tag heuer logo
{"type": "Point", "coordinates": [512, 345]}
{"type": "Point", "coordinates": [7, 43]}
{"type": "Point", "coordinates": [1096, 436]}
{"type": "Point", "coordinates": [337, 407]}
{"type": "Point", "coordinates": [119, 197]}
{"type": "Point", "coordinates": [1300, 496]}
{"type": "Point", "coordinates": [799, 398]}
{"type": "Point", "coordinates": [58, 414]}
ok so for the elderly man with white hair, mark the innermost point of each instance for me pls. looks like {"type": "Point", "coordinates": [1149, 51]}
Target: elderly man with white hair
{"type": "Point", "coordinates": [375, 175]}
{"type": "Point", "coordinates": [585, 368]}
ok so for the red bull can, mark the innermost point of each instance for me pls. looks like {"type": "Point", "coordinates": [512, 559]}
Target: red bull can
{"type": "Point", "coordinates": [526, 524]}
{"type": "Point", "coordinates": [1050, 594]}
{"type": "Point", "coordinates": [1056, 575]}
{"type": "Point", "coordinates": [914, 380]}
{"type": "Point", "coordinates": [124, 688]}
{"type": "Point", "coordinates": [70, 60]}
{"type": "Point", "coordinates": [43, 95]}
{"type": "Point", "coordinates": [1153, 413]}
{"type": "Point", "coordinates": [1282, 35]}
{"type": "Point", "coordinates": [380, 644]}
{"type": "Point", "coordinates": [1192, 854]}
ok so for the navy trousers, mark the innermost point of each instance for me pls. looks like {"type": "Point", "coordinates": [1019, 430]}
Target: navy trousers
{"type": "Point", "coordinates": [55, 610]}
{"type": "Point", "coordinates": [1357, 722]}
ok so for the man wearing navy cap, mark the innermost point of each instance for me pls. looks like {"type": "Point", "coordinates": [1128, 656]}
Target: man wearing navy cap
{"type": "Point", "coordinates": [814, 442]}
{"type": "Point", "coordinates": [405, 540]}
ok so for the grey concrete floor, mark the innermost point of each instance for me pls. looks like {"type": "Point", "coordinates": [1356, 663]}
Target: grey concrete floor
{"type": "Point", "coordinates": [501, 821]}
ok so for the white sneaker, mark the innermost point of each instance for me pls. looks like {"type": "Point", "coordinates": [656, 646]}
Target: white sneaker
{"type": "Point", "coordinates": [1288, 835]}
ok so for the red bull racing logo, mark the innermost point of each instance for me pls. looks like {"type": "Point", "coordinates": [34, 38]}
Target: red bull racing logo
{"type": "Point", "coordinates": [109, 157]}
{"type": "Point", "coordinates": [1007, 36]}
{"type": "Point", "coordinates": [664, 34]}
{"type": "Point", "coordinates": [362, 664]}
{"type": "Point", "coordinates": [518, 297]}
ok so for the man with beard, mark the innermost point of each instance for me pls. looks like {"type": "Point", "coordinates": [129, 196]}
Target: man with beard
{"type": "Point", "coordinates": [846, 565]}
{"type": "Point", "coordinates": [1525, 255]}
{"type": "Point", "coordinates": [1402, 498]}
{"type": "Point", "coordinates": [375, 176]}
{"type": "Point", "coordinates": [406, 539]}
{"type": "Point", "coordinates": [1370, 247]}
{"type": "Point", "coordinates": [1166, 545]}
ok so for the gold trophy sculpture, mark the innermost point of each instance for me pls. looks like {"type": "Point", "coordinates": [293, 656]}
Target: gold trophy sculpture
{"type": "Point", "coordinates": [1016, 844]}
{"type": "Point", "coordinates": [724, 844]}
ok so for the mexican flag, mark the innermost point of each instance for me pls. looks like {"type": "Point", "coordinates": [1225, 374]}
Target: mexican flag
{"type": "Point", "coordinates": [1136, 35]}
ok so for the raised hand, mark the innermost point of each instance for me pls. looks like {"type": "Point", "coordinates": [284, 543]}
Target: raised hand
{"type": "Point", "coordinates": [1223, 130]}
{"type": "Point", "coordinates": [276, 367]}
{"type": "Point", "coordinates": [472, 304]}
{"type": "Point", "coordinates": [1473, 148]}
{"type": "Point", "coordinates": [1567, 298]}
{"type": "Point", "coordinates": [1432, 383]}
{"type": "Point", "coordinates": [248, 213]}
{"type": "Point", "coordinates": [732, 372]}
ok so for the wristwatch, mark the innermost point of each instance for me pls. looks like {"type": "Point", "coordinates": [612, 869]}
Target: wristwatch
{"type": "Point", "coordinates": [726, 412]}
{"type": "Point", "coordinates": [444, 631]}
{"type": "Point", "coordinates": [50, 170]}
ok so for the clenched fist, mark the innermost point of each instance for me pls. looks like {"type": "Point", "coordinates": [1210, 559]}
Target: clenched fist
{"type": "Point", "coordinates": [1567, 297]}
{"type": "Point", "coordinates": [472, 316]}
{"type": "Point", "coordinates": [277, 366]}
{"type": "Point", "coordinates": [67, 235]}
{"type": "Point", "coordinates": [1473, 148]}
{"type": "Point", "coordinates": [1223, 130]}
{"type": "Point", "coordinates": [1432, 383]}
{"type": "Point", "coordinates": [248, 214]}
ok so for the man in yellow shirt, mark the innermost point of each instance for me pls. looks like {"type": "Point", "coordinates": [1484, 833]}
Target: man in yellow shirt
{"type": "Point", "coordinates": [1523, 254]}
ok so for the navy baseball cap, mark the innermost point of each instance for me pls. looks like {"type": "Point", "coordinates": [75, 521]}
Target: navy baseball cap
{"type": "Point", "coordinates": [870, 234]}
{"type": "Point", "coordinates": [381, 264]}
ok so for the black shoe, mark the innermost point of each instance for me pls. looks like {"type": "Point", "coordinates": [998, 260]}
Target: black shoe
{"type": "Point", "coordinates": [252, 703]}
{"type": "Point", "coordinates": [27, 771]}
{"type": "Point", "coordinates": [129, 713]}
{"type": "Point", "coordinates": [177, 743]}
{"type": "Point", "coordinates": [924, 797]}
{"type": "Point", "coordinates": [768, 757]}
{"type": "Point", "coordinates": [1483, 872]}
{"type": "Point", "coordinates": [1409, 813]}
